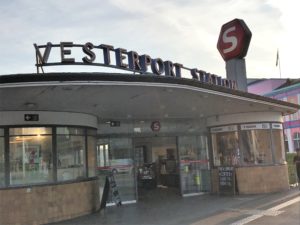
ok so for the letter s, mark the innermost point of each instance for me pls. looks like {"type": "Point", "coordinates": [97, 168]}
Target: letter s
{"type": "Point", "coordinates": [87, 49]}
{"type": "Point", "coordinates": [231, 39]}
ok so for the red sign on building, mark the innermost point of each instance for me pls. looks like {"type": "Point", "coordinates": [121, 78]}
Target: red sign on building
{"type": "Point", "coordinates": [234, 40]}
{"type": "Point", "coordinates": [155, 126]}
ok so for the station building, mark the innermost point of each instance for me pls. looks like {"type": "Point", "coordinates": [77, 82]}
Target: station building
{"type": "Point", "coordinates": [62, 133]}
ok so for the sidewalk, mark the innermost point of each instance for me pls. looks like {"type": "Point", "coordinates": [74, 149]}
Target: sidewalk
{"type": "Point", "coordinates": [175, 210]}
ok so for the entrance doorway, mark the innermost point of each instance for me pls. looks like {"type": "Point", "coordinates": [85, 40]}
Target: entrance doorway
{"type": "Point", "coordinates": [157, 166]}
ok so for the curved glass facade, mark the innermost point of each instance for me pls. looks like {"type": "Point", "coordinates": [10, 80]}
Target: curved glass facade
{"type": "Point", "coordinates": [71, 153]}
{"type": "Point", "coordinates": [46, 154]}
{"type": "Point", "coordinates": [248, 144]}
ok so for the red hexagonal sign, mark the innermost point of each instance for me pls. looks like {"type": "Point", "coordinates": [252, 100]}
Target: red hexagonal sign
{"type": "Point", "coordinates": [234, 39]}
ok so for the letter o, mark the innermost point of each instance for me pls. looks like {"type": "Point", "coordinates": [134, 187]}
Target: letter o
{"type": "Point", "coordinates": [157, 66]}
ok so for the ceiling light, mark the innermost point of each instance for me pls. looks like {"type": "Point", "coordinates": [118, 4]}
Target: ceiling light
{"type": "Point", "coordinates": [30, 105]}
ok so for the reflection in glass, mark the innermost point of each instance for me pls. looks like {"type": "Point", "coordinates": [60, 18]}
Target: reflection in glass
{"type": "Point", "coordinates": [278, 145]}
{"type": "Point", "coordinates": [296, 140]}
{"type": "Point", "coordinates": [226, 149]}
{"type": "Point", "coordinates": [194, 164]}
{"type": "Point", "coordinates": [70, 157]}
{"type": "Point", "coordinates": [2, 166]}
{"type": "Point", "coordinates": [30, 131]}
{"type": "Point", "coordinates": [70, 130]}
{"type": "Point", "coordinates": [30, 158]}
{"type": "Point", "coordinates": [91, 145]}
{"type": "Point", "coordinates": [115, 156]}
{"type": "Point", "coordinates": [256, 145]}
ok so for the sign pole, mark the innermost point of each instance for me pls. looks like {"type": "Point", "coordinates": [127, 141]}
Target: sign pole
{"type": "Point", "coordinates": [236, 70]}
{"type": "Point", "coordinates": [278, 62]}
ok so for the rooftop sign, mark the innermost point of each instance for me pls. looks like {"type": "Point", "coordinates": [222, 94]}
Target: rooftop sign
{"type": "Point", "coordinates": [123, 59]}
{"type": "Point", "coordinates": [234, 39]}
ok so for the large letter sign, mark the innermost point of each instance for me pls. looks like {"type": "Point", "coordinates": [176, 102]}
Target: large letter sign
{"type": "Point", "coordinates": [234, 40]}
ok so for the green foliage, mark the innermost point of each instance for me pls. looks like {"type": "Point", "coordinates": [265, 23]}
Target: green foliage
{"type": "Point", "coordinates": [291, 168]}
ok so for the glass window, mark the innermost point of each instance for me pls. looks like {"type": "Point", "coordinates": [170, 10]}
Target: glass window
{"type": "Point", "coordinates": [102, 153]}
{"type": "Point", "coordinates": [70, 131]}
{"type": "Point", "coordinates": [225, 148]}
{"type": "Point", "coordinates": [91, 145]}
{"type": "Point", "coordinates": [2, 160]}
{"type": "Point", "coordinates": [194, 168]}
{"type": "Point", "coordinates": [256, 146]}
{"type": "Point", "coordinates": [278, 145]}
{"type": "Point", "coordinates": [286, 143]}
{"type": "Point", "coordinates": [114, 156]}
{"type": "Point", "coordinates": [296, 140]}
{"type": "Point", "coordinates": [91, 132]}
{"type": "Point", "coordinates": [121, 163]}
{"type": "Point", "coordinates": [31, 159]}
{"type": "Point", "coordinates": [30, 131]}
{"type": "Point", "coordinates": [70, 157]}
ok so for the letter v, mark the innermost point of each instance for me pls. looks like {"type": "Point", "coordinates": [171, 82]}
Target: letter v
{"type": "Point", "coordinates": [43, 59]}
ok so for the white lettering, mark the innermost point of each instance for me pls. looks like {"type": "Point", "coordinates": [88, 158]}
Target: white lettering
{"type": "Point", "coordinates": [229, 39]}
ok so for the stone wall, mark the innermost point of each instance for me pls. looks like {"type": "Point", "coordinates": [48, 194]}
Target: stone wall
{"type": "Point", "coordinates": [265, 179]}
{"type": "Point", "coordinates": [214, 181]}
{"type": "Point", "coordinates": [257, 180]}
{"type": "Point", "coordinates": [44, 204]}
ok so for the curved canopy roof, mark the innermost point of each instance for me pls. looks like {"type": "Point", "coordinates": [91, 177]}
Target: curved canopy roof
{"type": "Point", "coordinates": [127, 96]}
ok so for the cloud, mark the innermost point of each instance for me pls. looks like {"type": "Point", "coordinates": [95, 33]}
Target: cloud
{"type": "Point", "coordinates": [184, 31]}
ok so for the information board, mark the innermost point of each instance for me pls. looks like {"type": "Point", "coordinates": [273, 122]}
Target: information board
{"type": "Point", "coordinates": [227, 180]}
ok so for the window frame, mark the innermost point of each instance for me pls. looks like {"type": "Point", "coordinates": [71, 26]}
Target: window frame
{"type": "Point", "coordinates": [296, 139]}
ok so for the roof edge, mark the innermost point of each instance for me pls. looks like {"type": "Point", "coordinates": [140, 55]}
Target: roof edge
{"type": "Point", "coordinates": [60, 77]}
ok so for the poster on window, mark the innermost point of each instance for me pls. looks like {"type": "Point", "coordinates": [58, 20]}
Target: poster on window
{"type": "Point", "coordinates": [32, 156]}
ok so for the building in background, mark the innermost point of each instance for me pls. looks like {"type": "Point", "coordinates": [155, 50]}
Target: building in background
{"type": "Point", "coordinates": [285, 90]}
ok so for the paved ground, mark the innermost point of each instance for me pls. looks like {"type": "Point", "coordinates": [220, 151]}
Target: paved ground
{"type": "Point", "coordinates": [290, 215]}
{"type": "Point", "coordinates": [165, 207]}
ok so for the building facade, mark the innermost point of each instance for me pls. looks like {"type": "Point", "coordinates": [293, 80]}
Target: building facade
{"type": "Point", "coordinates": [63, 134]}
{"type": "Point", "coordinates": [284, 90]}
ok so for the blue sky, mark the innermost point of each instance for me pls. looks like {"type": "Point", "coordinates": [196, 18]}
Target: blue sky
{"type": "Point", "coordinates": [183, 31]}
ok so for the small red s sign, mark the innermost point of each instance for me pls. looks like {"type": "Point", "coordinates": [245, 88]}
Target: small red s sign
{"type": "Point", "coordinates": [155, 126]}
{"type": "Point", "coordinates": [234, 40]}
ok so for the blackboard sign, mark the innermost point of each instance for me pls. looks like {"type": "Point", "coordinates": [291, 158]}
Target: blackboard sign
{"type": "Point", "coordinates": [105, 194]}
{"type": "Point", "coordinates": [114, 190]}
{"type": "Point", "coordinates": [227, 180]}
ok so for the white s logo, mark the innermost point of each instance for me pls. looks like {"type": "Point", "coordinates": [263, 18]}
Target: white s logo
{"type": "Point", "coordinates": [231, 39]}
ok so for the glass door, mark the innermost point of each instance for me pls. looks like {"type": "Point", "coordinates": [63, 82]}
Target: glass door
{"type": "Point", "coordinates": [114, 157]}
{"type": "Point", "coordinates": [156, 161]}
{"type": "Point", "coordinates": [194, 164]}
